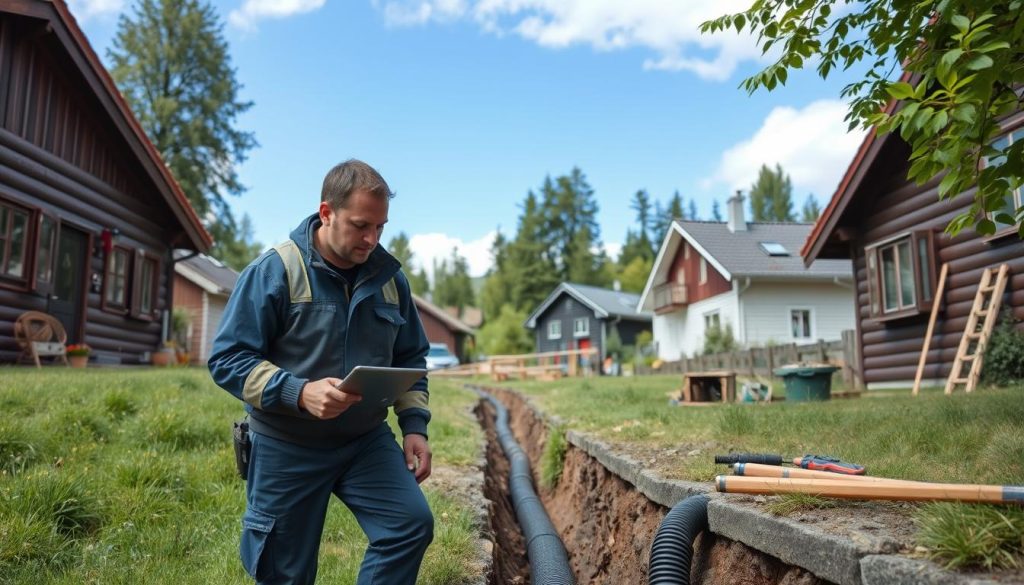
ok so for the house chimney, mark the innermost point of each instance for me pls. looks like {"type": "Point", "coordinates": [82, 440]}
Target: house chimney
{"type": "Point", "coordinates": [736, 223]}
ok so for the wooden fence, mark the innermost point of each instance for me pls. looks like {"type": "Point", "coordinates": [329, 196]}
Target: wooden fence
{"type": "Point", "coordinates": [546, 365]}
{"type": "Point", "coordinates": [761, 361]}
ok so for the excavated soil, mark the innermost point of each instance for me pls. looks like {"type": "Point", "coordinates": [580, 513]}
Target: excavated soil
{"type": "Point", "coordinates": [606, 524]}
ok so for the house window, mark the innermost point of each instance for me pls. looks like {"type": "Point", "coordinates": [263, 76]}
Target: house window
{"type": "Point", "coordinates": [143, 297]}
{"type": "Point", "coordinates": [703, 270]}
{"type": "Point", "coordinates": [115, 282]}
{"type": "Point", "coordinates": [901, 274]}
{"type": "Point", "coordinates": [46, 248]}
{"type": "Point", "coordinates": [581, 327]}
{"type": "Point", "coordinates": [555, 330]}
{"type": "Point", "coordinates": [712, 320]}
{"type": "Point", "coordinates": [1012, 200]}
{"type": "Point", "coordinates": [14, 224]}
{"type": "Point", "coordinates": [800, 323]}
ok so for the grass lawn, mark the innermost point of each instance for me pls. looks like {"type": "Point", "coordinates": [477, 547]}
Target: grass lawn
{"type": "Point", "coordinates": [976, 438]}
{"type": "Point", "coordinates": [127, 476]}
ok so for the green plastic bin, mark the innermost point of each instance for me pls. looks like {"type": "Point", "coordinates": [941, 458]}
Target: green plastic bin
{"type": "Point", "coordinates": [804, 383]}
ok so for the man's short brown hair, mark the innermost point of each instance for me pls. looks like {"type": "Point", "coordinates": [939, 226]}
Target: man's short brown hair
{"type": "Point", "coordinates": [350, 176]}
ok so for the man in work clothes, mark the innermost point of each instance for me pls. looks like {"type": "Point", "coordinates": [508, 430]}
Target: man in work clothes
{"type": "Point", "coordinates": [302, 315]}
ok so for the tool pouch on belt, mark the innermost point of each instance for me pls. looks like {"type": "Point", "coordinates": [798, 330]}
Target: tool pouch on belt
{"type": "Point", "coordinates": [243, 447]}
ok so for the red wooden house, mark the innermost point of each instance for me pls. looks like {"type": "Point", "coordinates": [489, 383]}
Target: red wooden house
{"type": "Point", "coordinates": [89, 214]}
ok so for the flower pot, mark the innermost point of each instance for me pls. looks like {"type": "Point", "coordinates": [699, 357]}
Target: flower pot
{"type": "Point", "coordinates": [78, 361]}
{"type": "Point", "coordinates": [162, 358]}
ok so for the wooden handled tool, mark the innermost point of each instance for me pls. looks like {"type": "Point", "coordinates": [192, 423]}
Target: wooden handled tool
{"type": "Point", "coordinates": [758, 470]}
{"type": "Point", "coordinates": [863, 490]}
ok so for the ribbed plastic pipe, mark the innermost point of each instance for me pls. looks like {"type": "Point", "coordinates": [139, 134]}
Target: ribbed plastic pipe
{"type": "Point", "coordinates": [672, 549]}
{"type": "Point", "coordinates": [549, 562]}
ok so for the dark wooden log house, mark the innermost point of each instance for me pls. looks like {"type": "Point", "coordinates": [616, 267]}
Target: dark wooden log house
{"type": "Point", "coordinates": [89, 214]}
{"type": "Point", "coordinates": [893, 229]}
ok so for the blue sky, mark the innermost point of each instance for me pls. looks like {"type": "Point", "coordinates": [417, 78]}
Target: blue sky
{"type": "Point", "coordinates": [465, 105]}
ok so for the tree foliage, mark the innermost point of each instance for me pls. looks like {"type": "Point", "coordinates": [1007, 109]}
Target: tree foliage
{"type": "Point", "coordinates": [399, 248]}
{"type": "Point", "coordinates": [638, 243]}
{"type": "Point", "coordinates": [771, 196]}
{"type": "Point", "coordinates": [505, 333]}
{"type": "Point", "coordinates": [452, 285]}
{"type": "Point", "coordinates": [171, 62]}
{"type": "Point", "coordinates": [963, 67]}
{"type": "Point", "coordinates": [716, 211]}
{"type": "Point", "coordinates": [810, 211]}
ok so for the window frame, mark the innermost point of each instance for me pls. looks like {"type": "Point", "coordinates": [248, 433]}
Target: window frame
{"type": "Point", "coordinates": [703, 279]}
{"type": "Point", "coordinates": [581, 332]}
{"type": "Point", "coordinates": [923, 260]}
{"type": "Point", "coordinates": [140, 261]}
{"type": "Point", "coordinates": [23, 282]}
{"type": "Point", "coordinates": [809, 323]}
{"type": "Point", "coordinates": [105, 303]}
{"type": "Point", "coordinates": [45, 287]}
{"type": "Point", "coordinates": [555, 329]}
{"type": "Point", "coordinates": [710, 316]}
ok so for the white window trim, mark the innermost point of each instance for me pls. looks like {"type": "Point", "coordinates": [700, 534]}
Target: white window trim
{"type": "Point", "coordinates": [585, 331]}
{"type": "Point", "coordinates": [810, 316]}
{"type": "Point", "coordinates": [900, 305]}
{"type": "Point", "coordinates": [707, 318]}
{"type": "Point", "coordinates": [555, 329]}
{"type": "Point", "coordinates": [703, 270]}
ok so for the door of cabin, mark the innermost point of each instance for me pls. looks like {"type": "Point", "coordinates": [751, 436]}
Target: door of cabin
{"type": "Point", "coordinates": [66, 300]}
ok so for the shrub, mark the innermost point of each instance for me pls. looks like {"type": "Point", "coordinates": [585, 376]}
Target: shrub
{"type": "Point", "coordinates": [718, 339]}
{"type": "Point", "coordinates": [1004, 356]}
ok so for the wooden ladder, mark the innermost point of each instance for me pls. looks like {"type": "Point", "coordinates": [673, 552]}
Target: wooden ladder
{"type": "Point", "coordinates": [975, 339]}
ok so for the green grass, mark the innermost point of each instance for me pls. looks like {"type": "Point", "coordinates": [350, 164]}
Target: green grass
{"type": "Point", "coordinates": [127, 476]}
{"type": "Point", "coordinates": [787, 504]}
{"type": "Point", "coordinates": [976, 439]}
{"type": "Point", "coordinates": [552, 458]}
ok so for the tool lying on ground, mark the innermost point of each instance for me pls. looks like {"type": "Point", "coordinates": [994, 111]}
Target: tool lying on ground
{"type": "Point", "coordinates": [758, 470]}
{"type": "Point", "coordinates": [857, 489]}
{"type": "Point", "coordinates": [812, 462]}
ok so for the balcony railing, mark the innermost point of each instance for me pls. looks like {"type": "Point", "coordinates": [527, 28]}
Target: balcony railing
{"type": "Point", "coordinates": [668, 296]}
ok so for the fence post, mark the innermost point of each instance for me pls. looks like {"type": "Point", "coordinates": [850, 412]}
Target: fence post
{"type": "Point", "coordinates": [770, 358]}
{"type": "Point", "coordinates": [822, 351]}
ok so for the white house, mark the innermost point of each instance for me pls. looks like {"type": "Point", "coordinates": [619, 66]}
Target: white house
{"type": "Point", "coordinates": [749, 277]}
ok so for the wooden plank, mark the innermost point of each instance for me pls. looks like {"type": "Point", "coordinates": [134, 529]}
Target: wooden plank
{"type": "Point", "coordinates": [931, 327]}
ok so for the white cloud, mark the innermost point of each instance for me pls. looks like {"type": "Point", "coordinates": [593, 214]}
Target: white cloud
{"type": "Point", "coordinates": [85, 9]}
{"type": "Point", "coordinates": [669, 29]}
{"type": "Point", "coordinates": [812, 145]}
{"type": "Point", "coordinates": [426, 248]}
{"type": "Point", "coordinates": [256, 10]}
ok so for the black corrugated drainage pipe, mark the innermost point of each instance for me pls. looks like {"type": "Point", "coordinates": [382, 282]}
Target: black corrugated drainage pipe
{"type": "Point", "coordinates": [549, 563]}
{"type": "Point", "coordinates": [672, 549]}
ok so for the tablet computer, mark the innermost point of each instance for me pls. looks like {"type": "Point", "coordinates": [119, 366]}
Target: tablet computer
{"type": "Point", "coordinates": [380, 386]}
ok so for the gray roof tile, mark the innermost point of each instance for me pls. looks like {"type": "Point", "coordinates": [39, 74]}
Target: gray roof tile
{"type": "Point", "coordinates": [740, 253]}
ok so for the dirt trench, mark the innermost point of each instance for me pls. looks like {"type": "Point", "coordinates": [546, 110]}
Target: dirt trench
{"type": "Point", "coordinates": [606, 524]}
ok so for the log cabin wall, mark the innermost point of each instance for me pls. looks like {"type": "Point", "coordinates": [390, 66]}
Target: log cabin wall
{"type": "Point", "coordinates": [891, 349]}
{"type": "Point", "coordinates": [61, 154]}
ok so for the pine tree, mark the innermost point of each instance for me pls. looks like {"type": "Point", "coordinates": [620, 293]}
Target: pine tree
{"type": "Point", "coordinates": [570, 213]}
{"type": "Point", "coordinates": [399, 248]}
{"type": "Point", "coordinates": [638, 243]}
{"type": "Point", "coordinates": [810, 211]}
{"type": "Point", "coordinates": [692, 211]}
{"type": "Point", "coordinates": [771, 196]}
{"type": "Point", "coordinates": [171, 63]}
{"type": "Point", "coordinates": [531, 266]}
{"type": "Point", "coordinates": [235, 244]}
{"type": "Point", "coordinates": [452, 285]}
{"type": "Point", "coordinates": [673, 212]}
{"type": "Point", "coordinates": [716, 211]}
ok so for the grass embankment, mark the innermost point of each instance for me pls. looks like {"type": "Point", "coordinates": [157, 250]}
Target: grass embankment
{"type": "Point", "coordinates": [976, 438]}
{"type": "Point", "coordinates": [127, 476]}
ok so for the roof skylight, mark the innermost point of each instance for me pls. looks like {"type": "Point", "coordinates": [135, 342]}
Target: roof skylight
{"type": "Point", "coordinates": [774, 249]}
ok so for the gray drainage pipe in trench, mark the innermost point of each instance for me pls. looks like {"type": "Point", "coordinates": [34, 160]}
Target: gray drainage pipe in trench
{"type": "Point", "coordinates": [672, 549]}
{"type": "Point", "coordinates": [549, 563]}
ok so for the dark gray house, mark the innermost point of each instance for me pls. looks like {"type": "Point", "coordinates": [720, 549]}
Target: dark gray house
{"type": "Point", "coordinates": [579, 316]}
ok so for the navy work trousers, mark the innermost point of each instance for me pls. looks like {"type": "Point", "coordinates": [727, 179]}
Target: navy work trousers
{"type": "Point", "coordinates": [289, 487]}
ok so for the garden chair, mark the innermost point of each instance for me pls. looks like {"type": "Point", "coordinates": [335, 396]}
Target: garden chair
{"type": "Point", "coordinates": [40, 335]}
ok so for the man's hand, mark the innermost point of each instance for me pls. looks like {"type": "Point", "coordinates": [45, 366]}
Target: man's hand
{"type": "Point", "coordinates": [417, 456]}
{"type": "Point", "coordinates": [323, 400]}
